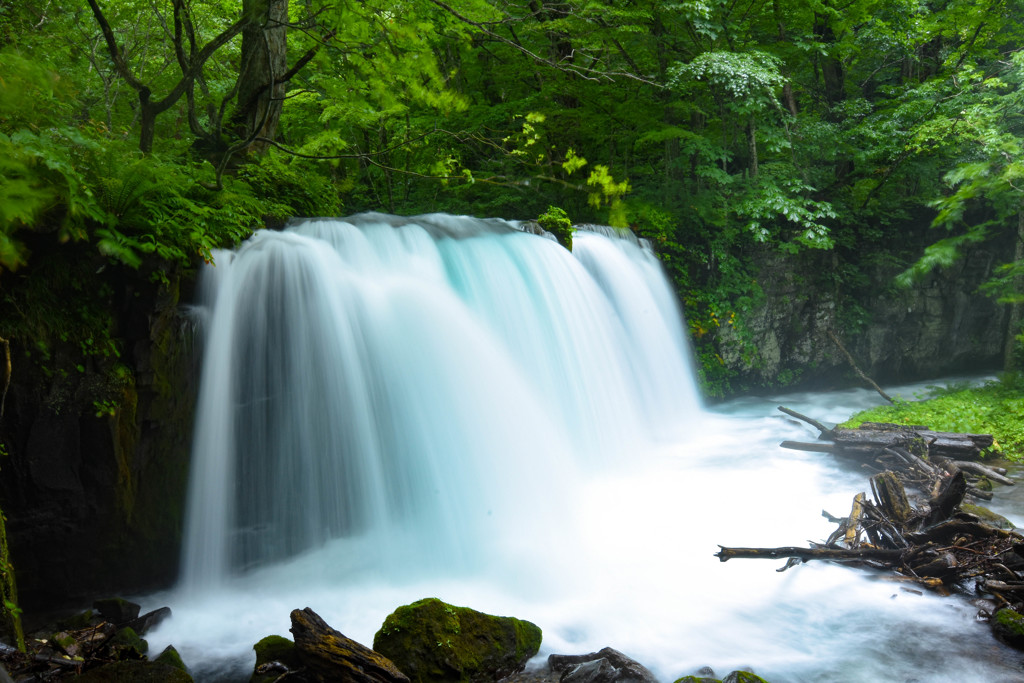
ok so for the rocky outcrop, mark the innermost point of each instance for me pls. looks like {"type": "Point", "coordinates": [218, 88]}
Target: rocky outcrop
{"type": "Point", "coordinates": [940, 326]}
{"type": "Point", "coordinates": [430, 640]}
{"type": "Point", "coordinates": [95, 450]}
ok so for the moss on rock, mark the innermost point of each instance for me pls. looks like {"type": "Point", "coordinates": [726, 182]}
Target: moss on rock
{"type": "Point", "coordinates": [987, 516]}
{"type": "Point", "coordinates": [743, 677]}
{"type": "Point", "coordinates": [170, 657]}
{"type": "Point", "coordinates": [137, 671]}
{"type": "Point", "coordinates": [431, 640]}
{"type": "Point", "coordinates": [127, 644]}
{"type": "Point", "coordinates": [273, 649]}
{"type": "Point", "coordinates": [1008, 627]}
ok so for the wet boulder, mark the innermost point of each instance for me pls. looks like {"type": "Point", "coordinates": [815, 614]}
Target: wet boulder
{"type": "Point", "coordinates": [117, 610]}
{"type": "Point", "coordinates": [605, 666]}
{"type": "Point", "coordinates": [1008, 627]}
{"type": "Point", "coordinates": [433, 641]}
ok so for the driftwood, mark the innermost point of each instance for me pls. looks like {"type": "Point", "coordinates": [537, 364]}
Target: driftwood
{"type": "Point", "coordinates": [330, 656]}
{"type": "Point", "coordinates": [934, 543]}
{"type": "Point", "coordinates": [925, 536]}
{"type": "Point", "coordinates": [921, 458]}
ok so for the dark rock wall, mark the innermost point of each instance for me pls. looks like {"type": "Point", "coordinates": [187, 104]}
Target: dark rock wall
{"type": "Point", "coordinates": [94, 504]}
{"type": "Point", "coordinates": [941, 326]}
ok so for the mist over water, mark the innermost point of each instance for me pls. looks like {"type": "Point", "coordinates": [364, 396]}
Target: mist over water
{"type": "Point", "coordinates": [394, 409]}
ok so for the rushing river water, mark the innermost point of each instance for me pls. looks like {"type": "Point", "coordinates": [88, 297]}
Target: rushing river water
{"type": "Point", "coordinates": [453, 409]}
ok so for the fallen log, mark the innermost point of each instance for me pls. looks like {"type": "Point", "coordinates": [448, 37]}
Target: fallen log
{"type": "Point", "coordinates": [922, 459]}
{"type": "Point", "coordinates": [978, 468]}
{"type": "Point", "coordinates": [329, 656]}
{"type": "Point", "coordinates": [805, 554]}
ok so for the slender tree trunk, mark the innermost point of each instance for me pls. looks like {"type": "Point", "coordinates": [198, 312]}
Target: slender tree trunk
{"type": "Point", "coordinates": [1013, 325]}
{"type": "Point", "coordinates": [752, 146]}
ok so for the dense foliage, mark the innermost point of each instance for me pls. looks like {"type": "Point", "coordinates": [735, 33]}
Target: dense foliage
{"type": "Point", "coordinates": [142, 136]}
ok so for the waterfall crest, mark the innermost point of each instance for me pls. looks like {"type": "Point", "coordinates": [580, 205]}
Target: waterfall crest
{"type": "Point", "coordinates": [423, 383]}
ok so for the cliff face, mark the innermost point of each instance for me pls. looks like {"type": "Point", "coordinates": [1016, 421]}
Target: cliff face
{"type": "Point", "coordinates": [940, 326]}
{"type": "Point", "coordinates": [92, 489]}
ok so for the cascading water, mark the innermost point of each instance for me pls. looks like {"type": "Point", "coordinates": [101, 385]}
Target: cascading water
{"type": "Point", "coordinates": [415, 381]}
{"type": "Point", "coordinates": [393, 409]}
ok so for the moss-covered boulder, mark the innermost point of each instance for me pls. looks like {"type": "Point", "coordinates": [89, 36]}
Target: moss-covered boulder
{"type": "Point", "coordinates": [743, 677]}
{"type": "Point", "coordinates": [431, 640]}
{"type": "Point", "coordinates": [275, 655]}
{"type": "Point", "coordinates": [171, 657]}
{"type": "Point", "coordinates": [1008, 626]}
{"type": "Point", "coordinates": [135, 671]}
{"type": "Point", "coordinates": [126, 644]}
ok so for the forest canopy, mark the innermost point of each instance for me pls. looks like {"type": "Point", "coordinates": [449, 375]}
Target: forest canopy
{"type": "Point", "coordinates": [145, 135]}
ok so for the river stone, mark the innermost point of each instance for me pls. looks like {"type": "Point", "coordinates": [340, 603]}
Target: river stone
{"type": "Point", "coordinates": [1008, 627]}
{"type": "Point", "coordinates": [743, 677]}
{"type": "Point", "coordinates": [431, 640]}
{"type": "Point", "coordinates": [705, 675]}
{"type": "Point", "coordinates": [117, 610]}
{"type": "Point", "coordinates": [606, 666]}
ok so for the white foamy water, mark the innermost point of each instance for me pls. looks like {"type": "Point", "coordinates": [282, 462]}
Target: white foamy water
{"type": "Point", "coordinates": [394, 409]}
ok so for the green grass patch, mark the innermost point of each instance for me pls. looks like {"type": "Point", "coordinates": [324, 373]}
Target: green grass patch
{"type": "Point", "coordinates": [995, 408]}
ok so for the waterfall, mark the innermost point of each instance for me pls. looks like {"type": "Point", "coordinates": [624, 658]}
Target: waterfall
{"type": "Point", "coordinates": [424, 385]}
{"type": "Point", "coordinates": [392, 409]}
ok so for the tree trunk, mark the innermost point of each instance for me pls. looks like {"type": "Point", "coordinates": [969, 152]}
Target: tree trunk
{"type": "Point", "coordinates": [752, 145]}
{"type": "Point", "coordinates": [1013, 324]}
{"type": "Point", "coordinates": [147, 128]}
{"type": "Point", "coordinates": [264, 62]}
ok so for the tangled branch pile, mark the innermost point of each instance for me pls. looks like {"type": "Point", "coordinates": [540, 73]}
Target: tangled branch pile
{"type": "Point", "coordinates": [939, 540]}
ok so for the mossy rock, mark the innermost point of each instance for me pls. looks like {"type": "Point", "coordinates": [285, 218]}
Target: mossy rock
{"type": "Point", "coordinates": [743, 677]}
{"type": "Point", "coordinates": [170, 657]}
{"type": "Point", "coordinates": [77, 621]}
{"type": "Point", "coordinates": [987, 516]}
{"type": "Point", "coordinates": [274, 649]}
{"type": "Point", "coordinates": [557, 222]}
{"type": "Point", "coordinates": [433, 641]}
{"type": "Point", "coordinates": [697, 679]}
{"type": "Point", "coordinates": [126, 644]}
{"type": "Point", "coordinates": [136, 671]}
{"type": "Point", "coordinates": [1008, 627]}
